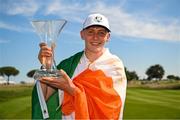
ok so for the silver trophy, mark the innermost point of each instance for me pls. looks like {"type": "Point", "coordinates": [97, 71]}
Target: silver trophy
{"type": "Point", "coordinates": [48, 31]}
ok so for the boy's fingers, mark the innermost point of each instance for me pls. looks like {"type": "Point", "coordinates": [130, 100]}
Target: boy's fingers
{"type": "Point", "coordinates": [42, 44]}
{"type": "Point", "coordinates": [64, 75]}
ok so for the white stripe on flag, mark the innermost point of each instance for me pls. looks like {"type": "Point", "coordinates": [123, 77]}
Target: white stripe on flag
{"type": "Point", "coordinates": [42, 101]}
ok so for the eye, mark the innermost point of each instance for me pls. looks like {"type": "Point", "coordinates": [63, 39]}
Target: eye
{"type": "Point", "coordinates": [102, 33]}
{"type": "Point", "coordinates": [90, 32]}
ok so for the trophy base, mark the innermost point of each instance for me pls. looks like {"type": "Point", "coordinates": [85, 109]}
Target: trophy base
{"type": "Point", "coordinates": [46, 73]}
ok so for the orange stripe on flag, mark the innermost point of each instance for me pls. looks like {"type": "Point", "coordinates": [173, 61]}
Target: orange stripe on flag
{"type": "Point", "coordinates": [95, 97]}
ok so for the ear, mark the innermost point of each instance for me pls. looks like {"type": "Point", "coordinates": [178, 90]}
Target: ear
{"type": "Point", "coordinates": [108, 37]}
{"type": "Point", "coordinates": [82, 34]}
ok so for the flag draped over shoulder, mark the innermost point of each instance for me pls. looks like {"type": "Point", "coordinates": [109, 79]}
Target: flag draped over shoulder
{"type": "Point", "coordinates": [68, 65]}
{"type": "Point", "coordinates": [100, 89]}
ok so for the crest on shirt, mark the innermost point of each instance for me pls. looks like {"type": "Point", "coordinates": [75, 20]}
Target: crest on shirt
{"type": "Point", "coordinates": [98, 19]}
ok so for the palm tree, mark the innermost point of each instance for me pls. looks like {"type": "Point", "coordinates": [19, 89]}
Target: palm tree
{"type": "Point", "coordinates": [8, 71]}
{"type": "Point", "coordinates": [155, 71]}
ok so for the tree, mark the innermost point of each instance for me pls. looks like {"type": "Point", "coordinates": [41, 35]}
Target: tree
{"type": "Point", "coordinates": [1, 72]}
{"type": "Point", "coordinates": [155, 71]}
{"type": "Point", "coordinates": [131, 75]}
{"type": "Point", "coordinates": [8, 71]}
{"type": "Point", "coordinates": [173, 77]}
{"type": "Point", "coordinates": [23, 82]}
{"type": "Point", "coordinates": [31, 73]}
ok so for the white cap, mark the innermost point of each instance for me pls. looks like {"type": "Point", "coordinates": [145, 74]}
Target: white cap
{"type": "Point", "coordinates": [96, 19]}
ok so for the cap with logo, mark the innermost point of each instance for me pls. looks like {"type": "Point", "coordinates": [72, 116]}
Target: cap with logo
{"type": "Point", "coordinates": [96, 19]}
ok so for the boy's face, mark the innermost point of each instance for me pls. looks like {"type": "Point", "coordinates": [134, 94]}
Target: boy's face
{"type": "Point", "coordinates": [95, 38]}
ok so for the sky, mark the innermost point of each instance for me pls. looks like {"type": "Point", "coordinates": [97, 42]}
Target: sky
{"type": "Point", "coordinates": [143, 32]}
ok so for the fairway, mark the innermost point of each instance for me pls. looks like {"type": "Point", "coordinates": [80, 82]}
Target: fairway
{"type": "Point", "coordinates": [152, 104]}
{"type": "Point", "coordinates": [15, 103]}
{"type": "Point", "coordinates": [16, 108]}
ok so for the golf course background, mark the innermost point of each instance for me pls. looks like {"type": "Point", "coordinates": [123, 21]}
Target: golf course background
{"type": "Point", "coordinates": [141, 103]}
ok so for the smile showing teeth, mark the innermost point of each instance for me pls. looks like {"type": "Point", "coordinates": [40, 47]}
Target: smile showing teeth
{"type": "Point", "coordinates": [95, 43]}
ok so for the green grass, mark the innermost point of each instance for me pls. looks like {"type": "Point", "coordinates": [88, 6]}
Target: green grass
{"type": "Point", "coordinates": [16, 108]}
{"type": "Point", "coordinates": [152, 104]}
{"type": "Point", "coordinates": [15, 102]}
{"type": "Point", "coordinates": [141, 103]}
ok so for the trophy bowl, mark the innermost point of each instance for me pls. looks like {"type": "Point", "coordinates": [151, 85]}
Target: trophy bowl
{"type": "Point", "coordinates": [48, 31]}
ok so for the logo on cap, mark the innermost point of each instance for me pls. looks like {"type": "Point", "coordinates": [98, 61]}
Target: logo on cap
{"type": "Point", "coordinates": [98, 19]}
